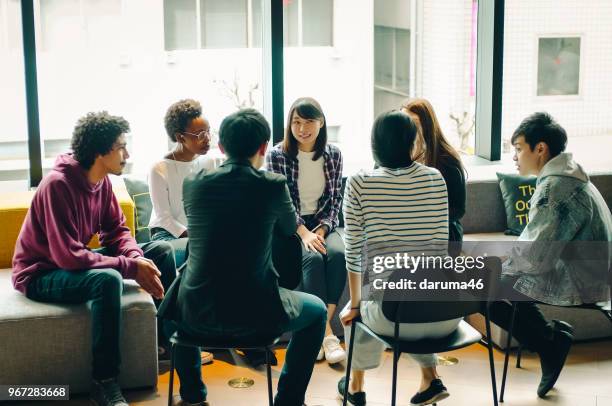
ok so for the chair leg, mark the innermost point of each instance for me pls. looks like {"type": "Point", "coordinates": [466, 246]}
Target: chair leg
{"type": "Point", "coordinates": [396, 354]}
{"type": "Point", "coordinates": [519, 353]}
{"type": "Point", "coordinates": [269, 373]}
{"type": "Point", "coordinates": [348, 363]}
{"type": "Point", "coordinates": [394, 383]}
{"type": "Point", "coordinates": [491, 361]}
{"type": "Point", "coordinates": [507, 355]}
{"type": "Point", "coordinates": [171, 380]}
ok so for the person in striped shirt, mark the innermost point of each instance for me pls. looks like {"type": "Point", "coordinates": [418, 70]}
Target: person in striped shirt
{"type": "Point", "coordinates": [400, 202]}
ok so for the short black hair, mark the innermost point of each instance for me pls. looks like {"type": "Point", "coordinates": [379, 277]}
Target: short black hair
{"type": "Point", "coordinates": [95, 134]}
{"type": "Point", "coordinates": [243, 132]}
{"type": "Point", "coordinates": [393, 135]}
{"type": "Point", "coordinates": [541, 127]}
{"type": "Point", "coordinates": [179, 116]}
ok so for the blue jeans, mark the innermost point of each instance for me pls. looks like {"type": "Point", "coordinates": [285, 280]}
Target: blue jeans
{"type": "Point", "coordinates": [308, 329]}
{"type": "Point", "coordinates": [178, 244]}
{"type": "Point", "coordinates": [103, 287]}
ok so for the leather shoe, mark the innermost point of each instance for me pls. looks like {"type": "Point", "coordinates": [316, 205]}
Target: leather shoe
{"type": "Point", "coordinates": [255, 358]}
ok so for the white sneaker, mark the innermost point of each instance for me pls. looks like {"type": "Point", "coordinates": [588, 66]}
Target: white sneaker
{"type": "Point", "coordinates": [321, 354]}
{"type": "Point", "coordinates": [334, 353]}
{"type": "Point", "coordinates": [206, 357]}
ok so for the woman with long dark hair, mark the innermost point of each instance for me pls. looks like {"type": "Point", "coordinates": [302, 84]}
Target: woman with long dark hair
{"type": "Point", "coordinates": [313, 169]}
{"type": "Point", "coordinates": [401, 203]}
{"type": "Point", "coordinates": [433, 149]}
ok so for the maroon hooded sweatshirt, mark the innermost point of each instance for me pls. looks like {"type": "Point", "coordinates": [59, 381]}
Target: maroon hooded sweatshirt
{"type": "Point", "coordinates": [66, 211]}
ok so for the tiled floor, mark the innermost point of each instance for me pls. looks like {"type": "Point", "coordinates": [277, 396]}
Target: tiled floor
{"type": "Point", "coordinates": [585, 381]}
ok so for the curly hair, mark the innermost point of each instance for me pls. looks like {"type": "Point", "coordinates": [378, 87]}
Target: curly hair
{"type": "Point", "coordinates": [179, 115]}
{"type": "Point", "coordinates": [95, 135]}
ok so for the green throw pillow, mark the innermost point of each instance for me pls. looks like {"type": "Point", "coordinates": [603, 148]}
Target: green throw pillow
{"type": "Point", "coordinates": [516, 191]}
{"type": "Point", "coordinates": [139, 192]}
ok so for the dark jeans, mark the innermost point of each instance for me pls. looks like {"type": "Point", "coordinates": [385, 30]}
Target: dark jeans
{"type": "Point", "coordinates": [531, 328]}
{"type": "Point", "coordinates": [325, 275]}
{"type": "Point", "coordinates": [103, 287]}
{"type": "Point", "coordinates": [308, 329]}
{"type": "Point", "coordinates": [178, 244]}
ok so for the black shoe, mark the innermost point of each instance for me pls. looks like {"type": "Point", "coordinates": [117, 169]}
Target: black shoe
{"type": "Point", "coordinates": [163, 353]}
{"type": "Point", "coordinates": [107, 393]}
{"type": "Point", "coordinates": [357, 398]}
{"type": "Point", "coordinates": [553, 359]}
{"type": "Point", "coordinates": [559, 325]}
{"type": "Point", "coordinates": [436, 392]}
{"type": "Point", "coordinates": [255, 358]}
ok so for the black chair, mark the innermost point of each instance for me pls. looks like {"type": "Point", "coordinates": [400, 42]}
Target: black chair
{"type": "Point", "coordinates": [433, 311]}
{"type": "Point", "coordinates": [600, 308]}
{"type": "Point", "coordinates": [217, 342]}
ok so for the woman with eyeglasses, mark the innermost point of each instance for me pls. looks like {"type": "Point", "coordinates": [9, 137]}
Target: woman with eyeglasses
{"type": "Point", "coordinates": [313, 169]}
{"type": "Point", "coordinates": [186, 127]}
{"type": "Point", "coordinates": [191, 133]}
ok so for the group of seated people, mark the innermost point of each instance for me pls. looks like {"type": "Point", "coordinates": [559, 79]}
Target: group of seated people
{"type": "Point", "coordinates": [230, 214]}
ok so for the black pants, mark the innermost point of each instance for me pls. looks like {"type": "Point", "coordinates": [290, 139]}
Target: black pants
{"type": "Point", "coordinates": [531, 328]}
{"type": "Point", "coordinates": [103, 287]}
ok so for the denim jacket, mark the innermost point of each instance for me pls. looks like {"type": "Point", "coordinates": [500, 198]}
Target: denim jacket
{"type": "Point", "coordinates": [570, 227]}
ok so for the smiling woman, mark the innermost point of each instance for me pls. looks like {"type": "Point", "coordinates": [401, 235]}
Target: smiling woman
{"type": "Point", "coordinates": [313, 169]}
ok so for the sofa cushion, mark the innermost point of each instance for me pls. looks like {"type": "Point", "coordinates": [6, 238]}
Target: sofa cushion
{"type": "Point", "coordinates": [484, 208]}
{"type": "Point", "coordinates": [516, 191]}
{"type": "Point", "coordinates": [51, 343]}
{"type": "Point", "coordinates": [138, 190]}
{"type": "Point", "coordinates": [15, 205]}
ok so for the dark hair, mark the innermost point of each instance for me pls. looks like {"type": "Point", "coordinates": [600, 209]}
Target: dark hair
{"type": "Point", "coordinates": [95, 135]}
{"type": "Point", "coordinates": [438, 152]}
{"type": "Point", "coordinates": [541, 127]}
{"type": "Point", "coordinates": [179, 116]}
{"type": "Point", "coordinates": [242, 133]}
{"type": "Point", "coordinates": [310, 109]}
{"type": "Point", "coordinates": [393, 135]}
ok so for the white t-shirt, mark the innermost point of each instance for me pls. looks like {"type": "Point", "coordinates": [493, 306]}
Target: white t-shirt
{"type": "Point", "coordinates": [166, 189]}
{"type": "Point", "coordinates": [311, 182]}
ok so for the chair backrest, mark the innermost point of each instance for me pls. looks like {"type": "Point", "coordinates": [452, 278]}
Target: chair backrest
{"type": "Point", "coordinates": [450, 304]}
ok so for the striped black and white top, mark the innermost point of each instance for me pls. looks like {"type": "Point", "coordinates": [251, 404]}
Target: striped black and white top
{"type": "Point", "coordinates": [386, 208]}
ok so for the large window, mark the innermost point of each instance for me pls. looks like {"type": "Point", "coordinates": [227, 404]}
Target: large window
{"type": "Point", "coordinates": [427, 49]}
{"type": "Point", "coordinates": [308, 22]}
{"type": "Point", "coordinates": [357, 58]}
{"type": "Point", "coordinates": [558, 60]}
{"type": "Point", "coordinates": [14, 162]}
{"type": "Point", "coordinates": [136, 77]}
{"type": "Point", "coordinates": [195, 24]}
{"type": "Point", "coordinates": [340, 77]}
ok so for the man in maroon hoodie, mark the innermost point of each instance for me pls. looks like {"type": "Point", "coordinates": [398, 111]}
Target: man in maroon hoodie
{"type": "Point", "coordinates": [52, 262]}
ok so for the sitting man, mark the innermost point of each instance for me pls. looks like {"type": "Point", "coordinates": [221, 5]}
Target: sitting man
{"type": "Point", "coordinates": [52, 262]}
{"type": "Point", "coordinates": [230, 285]}
{"type": "Point", "coordinates": [565, 210]}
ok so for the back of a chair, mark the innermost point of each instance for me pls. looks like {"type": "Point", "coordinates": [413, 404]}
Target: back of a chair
{"type": "Point", "coordinates": [449, 305]}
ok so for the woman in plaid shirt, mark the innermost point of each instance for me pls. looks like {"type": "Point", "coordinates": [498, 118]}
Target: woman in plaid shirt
{"type": "Point", "coordinates": [313, 169]}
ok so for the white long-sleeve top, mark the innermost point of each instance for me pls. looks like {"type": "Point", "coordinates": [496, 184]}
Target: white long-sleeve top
{"type": "Point", "coordinates": [166, 189]}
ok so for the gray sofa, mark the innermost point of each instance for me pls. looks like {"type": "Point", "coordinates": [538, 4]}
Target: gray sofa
{"type": "Point", "coordinates": [51, 343]}
{"type": "Point", "coordinates": [485, 220]}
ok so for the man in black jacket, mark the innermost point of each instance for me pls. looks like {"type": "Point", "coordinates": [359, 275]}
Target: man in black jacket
{"type": "Point", "coordinates": [230, 285]}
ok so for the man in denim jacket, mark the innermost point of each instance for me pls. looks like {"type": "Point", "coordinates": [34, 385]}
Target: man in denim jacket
{"type": "Point", "coordinates": [563, 256]}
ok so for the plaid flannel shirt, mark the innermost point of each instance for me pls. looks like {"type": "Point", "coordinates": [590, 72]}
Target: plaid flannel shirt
{"type": "Point", "coordinates": [330, 202]}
